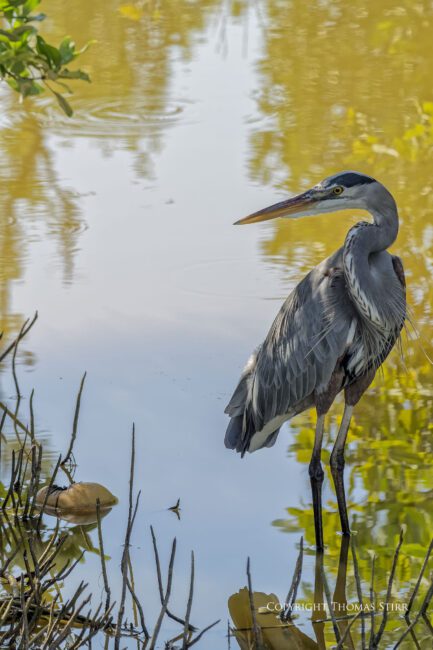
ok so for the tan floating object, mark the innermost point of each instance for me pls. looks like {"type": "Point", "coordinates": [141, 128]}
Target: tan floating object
{"type": "Point", "coordinates": [276, 635]}
{"type": "Point", "coordinates": [77, 498]}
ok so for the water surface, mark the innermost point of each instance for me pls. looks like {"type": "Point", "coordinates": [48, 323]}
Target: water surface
{"type": "Point", "coordinates": [117, 226]}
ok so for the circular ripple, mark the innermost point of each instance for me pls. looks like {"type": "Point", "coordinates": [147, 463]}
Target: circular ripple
{"type": "Point", "coordinates": [105, 118]}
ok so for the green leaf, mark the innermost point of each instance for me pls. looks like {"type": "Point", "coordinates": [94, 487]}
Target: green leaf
{"type": "Point", "coordinates": [6, 56]}
{"type": "Point", "coordinates": [9, 35]}
{"type": "Point", "coordinates": [30, 5]}
{"type": "Point", "coordinates": [64, 105]}
{"type": "Point", "coordinates": [74, 74]}
{"type": "Point", "coordinates": [17, 67]}
{"type": "Point", "coordinates": [22, 33]}
{"type": "Point", "coordinates": [67, 50]}
{"type": "Point", "coordinates": [50, 52]}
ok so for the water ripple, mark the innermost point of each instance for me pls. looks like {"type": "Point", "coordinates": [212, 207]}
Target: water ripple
{"type": "Point", "coordinates": [107, 118]}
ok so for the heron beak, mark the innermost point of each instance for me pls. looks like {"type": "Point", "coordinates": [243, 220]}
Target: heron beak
{"type": "Point", "coordinates": [289, 207]}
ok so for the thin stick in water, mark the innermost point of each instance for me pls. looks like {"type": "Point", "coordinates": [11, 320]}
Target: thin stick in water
{"type": "Point", "coordinates": [75, 424]}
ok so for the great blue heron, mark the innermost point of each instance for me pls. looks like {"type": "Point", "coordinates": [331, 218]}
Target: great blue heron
{"type": "Point", "coordinates": [332, 333]}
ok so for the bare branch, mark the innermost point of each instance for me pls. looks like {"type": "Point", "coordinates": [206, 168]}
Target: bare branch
{"type": "Point", "coordinates": [75, 425]}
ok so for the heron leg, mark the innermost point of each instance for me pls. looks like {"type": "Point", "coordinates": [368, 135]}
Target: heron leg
{"type": "Point", "coordinates": [352, 395]}
{"type": "Point", "coordinates": [337, 467]}
{"type": "Point", "coordinates": [323, 401]}
{"type": "Point", "coordinates": [316, 473]}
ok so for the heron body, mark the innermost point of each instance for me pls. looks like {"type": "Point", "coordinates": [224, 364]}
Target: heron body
{"type": "Point", "coordinates": [332, 333]}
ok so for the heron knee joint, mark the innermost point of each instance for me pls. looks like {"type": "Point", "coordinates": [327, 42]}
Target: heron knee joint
{"type": "Point", "coordinates": [316, 472]}
{"type": "Point", "coordinates": [337, 461]}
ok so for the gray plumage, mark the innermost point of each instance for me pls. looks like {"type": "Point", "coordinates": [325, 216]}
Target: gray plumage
{"type": "Point", "coordinates": [338, 324]}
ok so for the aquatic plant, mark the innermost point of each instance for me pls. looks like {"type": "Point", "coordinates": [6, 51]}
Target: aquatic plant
{"type": "Point", "coordinates": [36, 561]}
{"type": "Point", "coordinates": [28, 63]}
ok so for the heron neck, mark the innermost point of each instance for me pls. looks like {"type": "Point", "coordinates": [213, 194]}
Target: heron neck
{"type": "Point", "coordinates": [385, 224]}
{"type": "Point", "coordinates": [361, 242]}
{"type": "Point", "coordinates": [367, 238]}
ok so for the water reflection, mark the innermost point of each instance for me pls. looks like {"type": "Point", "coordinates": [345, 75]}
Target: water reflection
{"type": "Point", "coordinates": [354, 614]}
{"type": "Point", "coordinates": [131, 103]}
{"type": "Point", "coordinates": [35, 203]}
{"type": "Point", "coordinates": [128, 107]}
{"type": "Point", "coordinates": [76, 539]}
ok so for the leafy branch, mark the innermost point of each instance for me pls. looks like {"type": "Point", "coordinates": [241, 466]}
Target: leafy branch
{"type": "Point", "coordinates": [28, 63]}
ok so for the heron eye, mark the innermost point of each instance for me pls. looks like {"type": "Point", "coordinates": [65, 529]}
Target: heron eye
{"type": "Point", "coordinates": [337, 190]}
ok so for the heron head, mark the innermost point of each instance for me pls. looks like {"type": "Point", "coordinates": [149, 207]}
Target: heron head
{"type": "Point", "coordinates": [339, 192]}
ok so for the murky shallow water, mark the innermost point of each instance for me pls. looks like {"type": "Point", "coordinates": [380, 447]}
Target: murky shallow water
{"type": "Point", "coordinates": [116, 226]}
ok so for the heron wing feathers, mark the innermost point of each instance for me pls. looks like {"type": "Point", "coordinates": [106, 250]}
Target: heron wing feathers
{"type": "Point", "coordinates": [298, 355]}
{"type": "Point", "coordinates": [301, 349]}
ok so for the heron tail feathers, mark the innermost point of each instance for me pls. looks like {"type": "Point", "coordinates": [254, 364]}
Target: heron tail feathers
{"type": "Point", "coordinates": [241, 434]}
{"type": "Point", "coordinates": [236, 438]}
{"type": "Point", "coordinates": [233, 437]}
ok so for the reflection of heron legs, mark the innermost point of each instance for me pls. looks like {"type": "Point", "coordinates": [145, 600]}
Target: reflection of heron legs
{"type": "Point", "coordinates": [337, 467]}
{"type": "Point", "coordinates": [340, 591]}
{"type": "Point", "coordinates": [316, 477]}
{"type": "Point", "coordinates": [319, 613]}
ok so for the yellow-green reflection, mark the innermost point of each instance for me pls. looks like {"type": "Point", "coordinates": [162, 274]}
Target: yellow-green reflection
{"type": "Point", "coordinates": [348, 87]}
{"type": "Point", "coordinates": [127, 106]}
{"type": "Point", "coordinates": [337, 610]}
{"type": "Point", "coordinates": [15, 533]}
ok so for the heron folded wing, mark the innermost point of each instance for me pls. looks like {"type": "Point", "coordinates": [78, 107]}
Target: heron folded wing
{"type": "Point", "coordinates": [236, 405]}
{"type": "Point", "coordinates": [301, 350]}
